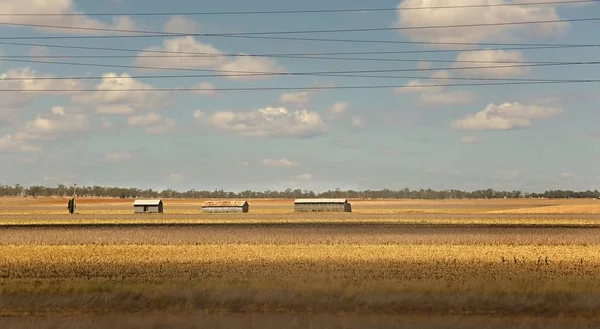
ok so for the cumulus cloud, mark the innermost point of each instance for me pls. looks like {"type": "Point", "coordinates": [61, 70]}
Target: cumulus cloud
{"type": "Point", "coordinates": [13, 7]}
{"type": "Point", "coordinates": [13, 144]}
{"type": "Point", "coordinates": [279, 163]}
{"type": "Point", "coordinates": [505, 116]}
{"type": "Point", "coordinates": [54, 126]}
{"type": "Point", "coordinates": [478, 15]}
{"type": "Point", "coordinates": [251, 64]}
{"type": "Point", "coordinates": [488, 59]}
{"type": "Point", "coordinates": [153, 123]}
{"type": "Point", "coordinates": [338, 108]}
{"type": "Point", "coordinates": [430, 94]}
{"type": "Point", "coordinates": [196, 54]}
{"type": "Point", "coordinates": [26, 79]}
{"type": "Point", "coordinates": [267, 122]}
{"type": "Point", "coordinates": [117, 100]}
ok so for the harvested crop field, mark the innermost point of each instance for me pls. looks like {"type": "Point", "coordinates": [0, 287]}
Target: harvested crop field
{"type": "Point", "coordinates": [389, 264]}
{"type": "Point", "coordinates": [297, 234]}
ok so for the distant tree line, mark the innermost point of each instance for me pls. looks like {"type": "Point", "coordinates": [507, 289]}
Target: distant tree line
{"type": "Point", "coordinates": [120, 192]}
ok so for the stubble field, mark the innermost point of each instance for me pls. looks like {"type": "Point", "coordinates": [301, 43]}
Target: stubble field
{"type": "Point", "coordinates": [389, 264]}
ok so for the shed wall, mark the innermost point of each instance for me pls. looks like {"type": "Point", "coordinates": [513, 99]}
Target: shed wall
{"type": "Point", "coordinates": [225, 209]}
{"type": "Point", "coordinates": [318, 207]}
{"type": "Point", "coordinates": [139, 209]}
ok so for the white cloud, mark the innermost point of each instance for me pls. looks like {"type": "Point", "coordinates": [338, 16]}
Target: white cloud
{"type": "Point", "coordinates": [118, 156]}
{"type": "Point", "coordinates": [52, 127]}
{"type": "Point", "coordinates": [251, 64]}
{"type": "Point", "coordinates": [27, 79]}
{"type": "Point", "coordinates": [479, 15]}
{"type": "Point", "coordinates": [433, 95]}
{"type": "Point", "coordinates": [299, 98]}
{"type": "Point", "coordinates": [304, 177]}
{"type": "Point", "coordinates": [279, 163]}
{"type": "Point", "coordinates": [154, 123]}
{"type": "Point", "coordinates": [13, 7]}
{"type": "Point", "coordinates": [113, 97]}
{"type": "Point", "coordinates": [182, 24]}
{"type": "Point", "coordinates": [163, 128]}
{"type": "Point", "coordinates": [505, 116]}
{"type": "Point", "coordinates": [469, 140]}
{"type": "Point", "coordinates": [267, 122]}
{"type": "Point", "coordinates": [339, 108]}
{"type": "Point", "coordinates": [199, 55]}
{"type": "Point", "coordinates": [491, 58]}
{"type": "Point", "coordinates": [12, 144]}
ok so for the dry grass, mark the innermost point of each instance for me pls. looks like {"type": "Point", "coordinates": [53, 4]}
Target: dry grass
{"type": "Point", "coordinates": [299, 234]}
{"type": "Point", "coordinates": [292, 321]}
{"type": "Point", "coordinates": [369, 278]}
{"type": "Point", "coordinates": [424, 263]}
{"type": "Point", "coordinates": [49, 206]}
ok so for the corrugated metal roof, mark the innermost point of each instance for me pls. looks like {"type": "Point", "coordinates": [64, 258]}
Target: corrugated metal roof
{"type": "Point", "coordinates": [146, 202]}
{"type": "Point", "coordinates": [320, 201]}
{"type": "Point", "coordinates": [224, 203]}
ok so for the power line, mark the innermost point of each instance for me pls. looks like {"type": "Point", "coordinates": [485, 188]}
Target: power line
{"type": "Point", "coordinates": [339, 74]}
{"type": "Point", "coordinates": [473, 44]}
{"type": "Point", "coordinates": [509, 46]}
{"type": "Point", "coordinates": [155, 34]}
{"type": "Point", "coordinates": [209, 55]}
{"type": "Point", "coordinates": [297, 88]}
{"type": "Point", "coordinates": [305, 11]}
{"type": "Point", "coordinates": [300, 73]}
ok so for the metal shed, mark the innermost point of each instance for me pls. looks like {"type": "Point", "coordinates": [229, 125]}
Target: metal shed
{"type": "Point", "coordinates": [308, 205]}
{"type": "Point", "coordinates": [225, 206]}
{"type": "Point", "coordinates": [147, 206]}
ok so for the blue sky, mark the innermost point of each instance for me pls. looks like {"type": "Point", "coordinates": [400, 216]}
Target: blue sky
{"type": "Point", "coordinates": [527, 137]}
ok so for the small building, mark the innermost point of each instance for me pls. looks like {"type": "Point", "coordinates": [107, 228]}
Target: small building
{"type": "Point", "coordinates": [308, 205]}
{"type": "Point", "coordinates": [225, 206]}
{"type": "Point", "coordinates": [147, 206]}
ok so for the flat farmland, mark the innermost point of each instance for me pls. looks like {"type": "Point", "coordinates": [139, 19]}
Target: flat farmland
{"type": "Point", "coordinates": [388, 264]}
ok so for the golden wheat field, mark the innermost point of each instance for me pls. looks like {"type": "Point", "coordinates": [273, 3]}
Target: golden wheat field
{"type": "Point", "coordinates": [388, 264]}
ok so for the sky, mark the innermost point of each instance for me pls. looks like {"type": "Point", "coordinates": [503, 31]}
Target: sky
{"type": "Point", "coordinates": [529, 137]}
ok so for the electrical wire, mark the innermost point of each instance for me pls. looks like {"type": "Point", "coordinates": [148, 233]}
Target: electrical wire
{"type": "Point", "coordinates": [296, 88]}
{"type": "Point", "coordinates": [156, 34]}
{"type": "Point", "coordinates": [208, 55]}
{"type": "Point", "coordinates": [313, 55]}
{"type": "Point", "coordinates": [301, 73]}
{"type": "Point", "coordinates": [349, 75]}
{"type": "Point", "coordinates": [306, 11]}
